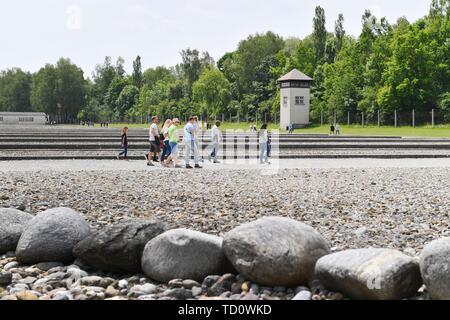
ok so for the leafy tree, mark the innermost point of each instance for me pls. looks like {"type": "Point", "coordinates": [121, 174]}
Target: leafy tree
{"type": "Point", "coordinates": [136, 77]}
{"type": "Point", "coordinates": [104, 75]}
{"type": "Point", "coordinates": [15, 90]}
{"type": "Point", "coordinates": [320, 33]}
{"type": "Point", "coordinates": [193, 65]}
{"type": "Point", "coordinates": [212, 89]}
{"type": "Point", "coordinates": [128, 99]}
{"type": "Point", "coordinates": [70, 89]}
{"type": "Point", "coordinates": [114, 91]}
{"type": "Point", "coordinates": [339, 32]}
{"type": "Point", "coordinates": [250, 54]}
{"type": "Point", "coordinates": [151, 76]}
{"type": "Point", "coordinates": [43, 91]}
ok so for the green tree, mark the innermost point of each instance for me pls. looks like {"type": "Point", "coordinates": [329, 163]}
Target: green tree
{"type": "Point", "coordinates": [212, 89]}
{"type": "Point", "coordinates": [114, 91]}
{"type": "Point", "coordinates": [320, 33]}
{"type": "Point", "coordinates": [128, 100]}
{"type": "Point", "coordinates": [136, 77]}
{"type": "Point", "coordinates": [70, 89]}
{"type": "Point", "coordinates": [339, 31]}
{"type": "Point", "coordinates": [250, 54]}
{"type": "Point", "coordinates": [43, 91]}
{"type": "Point", "coordinates": [104, 75]}
{"type": "Point", "coordinates": [15, 90]}
{"type": "Point", "coordinates": [151, 76]}
{"type": "Point", "coordinates": [193, 65]}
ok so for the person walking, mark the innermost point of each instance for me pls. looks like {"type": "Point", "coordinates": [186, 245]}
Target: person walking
{"type": "Point", "coordinates": [263, 136]}
{"type": "Point", "coordinates": [197, 131]}
{"type": "Point", "coordinates": [332, 130]}
{"type": "Point", "coordinates": [216, 141]}
{"type": "Point", "coordinates": [155, 148]}
{"type": "Point", "coordinates": [338, 129]}
{"type": "Point", "coordinates": [124, 144]}
{"type": "Point", "coordinates": [174, 140]}
{"type": "Point", "coordinates": [189, 142]}
{"type": "Point", "coordinates": [166, 141]}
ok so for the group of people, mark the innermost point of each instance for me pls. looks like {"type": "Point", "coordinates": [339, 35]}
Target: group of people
{"type": "Point", "coordinates": [90, 123]}
{"type": "Point", "coordinates": [337, 128]}
{"type": "Point", "coordinates": [290, 128]}
{"type": "Point", "coordinates": [164, 143]}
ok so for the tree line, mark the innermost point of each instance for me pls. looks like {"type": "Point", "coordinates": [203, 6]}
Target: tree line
{"type": "Point", "coordinates": [401, 66]}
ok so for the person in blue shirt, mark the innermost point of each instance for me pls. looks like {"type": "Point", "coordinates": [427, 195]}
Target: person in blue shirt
{"type": "Point", "coordinates": [189, 140]}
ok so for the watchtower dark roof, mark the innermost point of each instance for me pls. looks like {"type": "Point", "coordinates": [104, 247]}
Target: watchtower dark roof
{"type": "Point", "coordinates": [295, 75]}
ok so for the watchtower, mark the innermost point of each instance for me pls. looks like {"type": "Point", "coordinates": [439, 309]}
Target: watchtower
{"type": "Point", "coordinates": [295, 95]}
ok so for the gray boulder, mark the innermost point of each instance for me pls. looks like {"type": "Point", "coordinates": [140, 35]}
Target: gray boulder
{"type": "Point", "coordinates": [5, 278]}
{"type": "Point", "coordinates": [51, 235]}
{"type": "Point", "coordinates": [118, 248]}
{"type": "Point", "coordinates": [435, 268]}
{"type": "Point", "coordinates": [184, 254]}
{"type": "Point", "coordinates": [275, 251]}
{"type": "Point", "coordinates": [370, 274]}
{"type": "Point", "coordinates": [12, 223]}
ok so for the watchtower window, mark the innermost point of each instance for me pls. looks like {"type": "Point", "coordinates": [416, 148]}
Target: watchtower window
{"type": "Point", "coordinates": [299, 101]}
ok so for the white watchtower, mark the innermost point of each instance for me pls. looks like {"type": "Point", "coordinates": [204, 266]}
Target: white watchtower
{"type": "Point", "coordinates": [295, 95]}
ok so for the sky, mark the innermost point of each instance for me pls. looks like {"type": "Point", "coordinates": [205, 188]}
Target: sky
{"type": "Point", "coordinates": [36, 32]}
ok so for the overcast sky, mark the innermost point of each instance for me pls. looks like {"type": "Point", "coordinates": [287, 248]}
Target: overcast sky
{"type": "Point", "coordinates": [36, 32]}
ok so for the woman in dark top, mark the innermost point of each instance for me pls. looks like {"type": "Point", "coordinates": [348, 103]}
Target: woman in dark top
{"type": "Point", "coordinates": [124, 144]}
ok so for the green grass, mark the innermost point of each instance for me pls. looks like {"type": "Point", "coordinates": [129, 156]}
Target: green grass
{"type": "Point", "coordinates": [442, 131]}
{"type": "Point", "coordinates": [439, 131]}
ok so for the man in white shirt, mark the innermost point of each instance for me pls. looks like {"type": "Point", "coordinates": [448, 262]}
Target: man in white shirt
{"type": "Point", "coordinates": [155, 148]}
{"type": "Point", "coordinates": [216, 140]}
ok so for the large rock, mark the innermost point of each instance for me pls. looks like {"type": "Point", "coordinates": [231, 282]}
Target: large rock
{"type": "Point", "coordinates": [184, 254]}
{"type": "Point", "coordinates": [118, 248]}
{"type": "Point", "coordinates": [275, 251]}
{"type": "Point", "coordinates": [51, 235]}
{"type": "Point", "coordinates": [12, 223]}
{"type": "Point", "coordinates": [435, 268]}
{"type": "Point", "coordinates": [370, 274]}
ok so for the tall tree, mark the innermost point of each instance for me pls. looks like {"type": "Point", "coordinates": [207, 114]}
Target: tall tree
{"type": "Point", "coordinates": [70, 89]}
{"type": "Point", "coordinates": [339, 32]}
{"type": "Point", "coordinates": [43, 91]}
{"type": "Point", "coordinates": [136, 77]}
{"type": "Point", "coordinates": [320, 33]}
{"type": "Point", "coordinates": [193, 65]}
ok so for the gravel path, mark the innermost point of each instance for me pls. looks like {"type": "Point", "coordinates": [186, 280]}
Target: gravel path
{"type": "Point", "coordinates": [353, 203]}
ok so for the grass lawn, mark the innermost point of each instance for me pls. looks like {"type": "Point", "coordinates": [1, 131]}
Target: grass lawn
{"type": "Point", "coordinates": [442, 131]}
{"type": "Point", "coordinates": [439, 131]}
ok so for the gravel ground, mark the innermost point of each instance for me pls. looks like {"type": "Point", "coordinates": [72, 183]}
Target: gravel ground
{"type": "Point", "coordinates": [399, 204]}
{"type": "Point", "coordinates": [351, 205]}
{"type": "Point", "coordinates": [275, 151]}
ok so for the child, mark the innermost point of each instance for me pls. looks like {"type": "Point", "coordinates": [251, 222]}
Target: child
{"type": "Point", "coordinates": [124, 144]}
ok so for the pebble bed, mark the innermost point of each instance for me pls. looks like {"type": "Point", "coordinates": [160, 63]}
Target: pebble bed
{"type": "Point", "coordinates": [275, 152]}
{"type": "Point", "coordinates": [398, 208]}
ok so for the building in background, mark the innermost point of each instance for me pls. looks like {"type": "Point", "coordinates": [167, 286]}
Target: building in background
{"type": "Point", "coordinates": [295, 95]}
{"type": "Point", "coordinates": [23, 118]}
